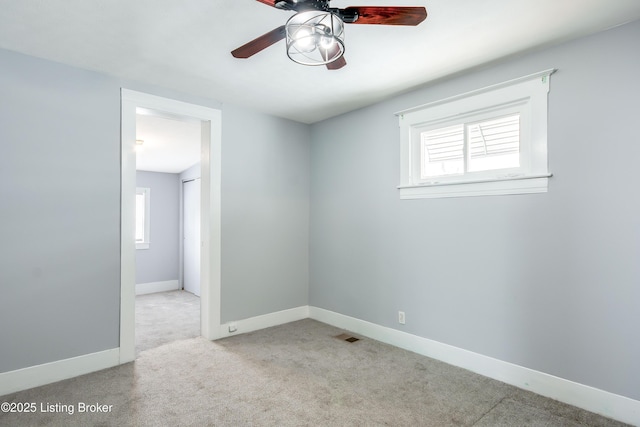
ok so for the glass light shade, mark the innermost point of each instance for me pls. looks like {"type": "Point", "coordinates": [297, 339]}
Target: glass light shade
{"type": "Point", "coordinates": [314, 37]}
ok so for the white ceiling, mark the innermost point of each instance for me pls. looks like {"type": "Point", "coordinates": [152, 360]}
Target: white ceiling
{"type": "Point", "coordinates": [170, 145]}
{"type": "Point", "coordinates": [185, 45]}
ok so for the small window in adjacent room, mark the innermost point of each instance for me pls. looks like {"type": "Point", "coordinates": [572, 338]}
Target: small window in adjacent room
{"type": "Point", "coordinates": [488, 142]}
{"type": "Point", "coordinates": [142, 217]}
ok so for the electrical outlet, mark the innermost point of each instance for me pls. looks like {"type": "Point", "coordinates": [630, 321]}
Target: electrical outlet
{"type": "Point", "coordinates": [401, 317]}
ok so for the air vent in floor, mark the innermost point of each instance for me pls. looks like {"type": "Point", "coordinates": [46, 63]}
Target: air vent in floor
{"type": "Point", "coordinates": [347, 338]}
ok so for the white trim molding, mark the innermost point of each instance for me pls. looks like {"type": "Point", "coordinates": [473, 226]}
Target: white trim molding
{"type": "Point", "coordinates": [498, 187]}
{"type": "Point", "coordinates": [153, 287]}
{"type": "Point", "coordinates": [264, 321]}
{"type": "Point", "coordinates": [589, 398]}
{"type": "Point", "coordinates": [523, 100]}
{"type": "Point", "coordinates": [210, 119]}
{"type": "Point", "coordinates": [47, 373]}
{"type": "Point", "coordinates": [582, 396]}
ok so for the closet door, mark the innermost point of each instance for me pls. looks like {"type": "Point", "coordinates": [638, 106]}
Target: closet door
{"type": "Point", "coordinates": [191, 230]}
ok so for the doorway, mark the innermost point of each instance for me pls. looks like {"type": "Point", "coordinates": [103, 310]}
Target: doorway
{"type": "Point", "coordinates": [210, 205]}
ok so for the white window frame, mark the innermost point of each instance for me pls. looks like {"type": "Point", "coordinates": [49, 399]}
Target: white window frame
{"type": "Point", "coordinates": [147, 214]}
{"type": "Point", "coordinates": [526, 96]}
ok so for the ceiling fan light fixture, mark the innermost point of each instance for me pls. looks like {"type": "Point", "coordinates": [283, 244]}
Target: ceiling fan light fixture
{"type": "Point", "coordinates": [314, 37]}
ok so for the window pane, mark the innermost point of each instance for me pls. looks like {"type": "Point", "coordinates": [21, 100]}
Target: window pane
{"type": "Point", "coordinates": [494, 144]}
{"type": "Point", "coordinates": [442, 151]}
{"type": "Point", "coordinates": [140, 205]}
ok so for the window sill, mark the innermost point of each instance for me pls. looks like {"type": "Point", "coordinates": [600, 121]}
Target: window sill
{"type": "Point", "coordinates": [142, 246]}
{"type": "Point", "coordinates": [497, 187]}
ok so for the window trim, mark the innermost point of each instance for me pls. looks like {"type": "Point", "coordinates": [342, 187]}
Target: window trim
{"type": "Point", "coordinates": [527, 94]}
{"type": "Point", "coordinates": [147, 221]}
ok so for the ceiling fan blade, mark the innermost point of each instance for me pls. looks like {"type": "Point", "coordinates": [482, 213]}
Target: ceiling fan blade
{"type": "Point", "coordinates": [383, 15]}
{"type": "Point", "coordinates": [268, 2]}
{"type": "Point", "coordinates": [259, 44]}
{"type": "Point", "coordinates": [337, 64]}
{"type": "Point", "coordinates": [330, 52]}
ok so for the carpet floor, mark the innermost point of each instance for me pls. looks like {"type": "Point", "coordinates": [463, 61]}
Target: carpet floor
{"type": "Point", "coordinates": [297, 374]}
{"type": "Point", "coordinates": [164, 317]}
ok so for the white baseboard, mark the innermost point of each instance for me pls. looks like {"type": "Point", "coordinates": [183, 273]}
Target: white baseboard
{"type": "Point", "coordinates": [153, 287]}
{"type": "Point", "coordinates": [35, 376]}
{"type": "Point", "coordinates": [264, 321]}
{"type": "Point", "coordinates": [599, 401]}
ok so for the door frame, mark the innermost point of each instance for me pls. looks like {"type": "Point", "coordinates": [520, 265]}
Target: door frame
{"type": "Point", "coordinates": [210, 213]}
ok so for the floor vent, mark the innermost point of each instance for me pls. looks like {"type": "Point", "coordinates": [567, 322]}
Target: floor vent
{"type": "Point", "coordinates": [347, 338]}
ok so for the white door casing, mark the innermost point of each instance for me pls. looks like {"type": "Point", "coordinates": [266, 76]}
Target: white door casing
{"type": "Point", "coordinates": [210, 212]}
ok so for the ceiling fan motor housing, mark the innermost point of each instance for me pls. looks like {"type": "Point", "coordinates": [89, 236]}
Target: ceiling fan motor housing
{"type": "Point", "coordinates": [348, 16]}
{"type": "Point", "coordinates": [303, 5]}
{"type": "Point", "coordinates": [314, 37]}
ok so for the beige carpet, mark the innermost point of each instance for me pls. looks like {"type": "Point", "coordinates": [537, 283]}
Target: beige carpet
{"type": "Point", "coordinates": [165, 317]}
{"type": "Point", "coordinates": [297, 374]}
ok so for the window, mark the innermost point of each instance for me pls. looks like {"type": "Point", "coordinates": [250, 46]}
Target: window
{"type": "Point", "coordinates": [491, 141]}
{"type": "Point", "coordinates": [142, 217]}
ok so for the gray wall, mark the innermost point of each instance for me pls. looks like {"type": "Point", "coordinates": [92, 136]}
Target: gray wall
{"type": "Point", "coordinates": [191, 173]}
{"type": "Point", "coordinates": [546, 281]}
{"type": "Point", "coordinates": [160, 262]}
{"type": "Point", "coordinates": [265, 214]}
{"type": "Point", "coordinates": [60, 210]}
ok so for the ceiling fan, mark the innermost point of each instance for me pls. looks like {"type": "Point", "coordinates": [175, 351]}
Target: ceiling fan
{"type": "Point", "coordinates": [315, 34]}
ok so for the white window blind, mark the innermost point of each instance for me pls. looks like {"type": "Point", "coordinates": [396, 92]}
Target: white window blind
{"type": "Point", "coordinates": [140, 215]}
{"type": "Point", "coordinates": [494, 144]}
{"type": "Point", "coordinates": [443, 151]}
{"type": "Point", "coordinates": [491, 144]}
{"type": "Point", "coordinates": [143, 224]}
